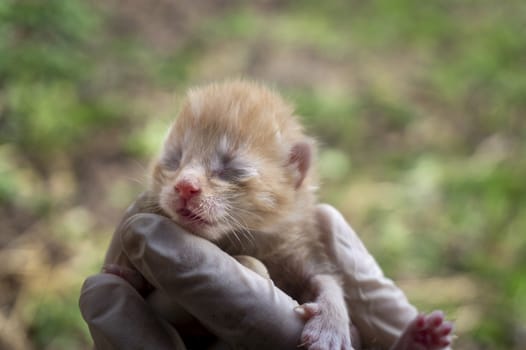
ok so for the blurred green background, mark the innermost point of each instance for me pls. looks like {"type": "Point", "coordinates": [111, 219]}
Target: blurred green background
{"type": "Point", "coordinates": [420, 108]}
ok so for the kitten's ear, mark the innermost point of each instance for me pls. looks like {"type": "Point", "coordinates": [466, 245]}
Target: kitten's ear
{"type": "Point", "coordinates": [300, 159]}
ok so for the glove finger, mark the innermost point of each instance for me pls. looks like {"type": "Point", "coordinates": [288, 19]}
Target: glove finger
{"type": "Point", "coordinates": [233, 302]}
{"type": "Point", "coordinates": [114, 255]}
{"type": "Point", "coordinates": [378, 308]}
{"type": "Point", "coordinates": [119, 318]}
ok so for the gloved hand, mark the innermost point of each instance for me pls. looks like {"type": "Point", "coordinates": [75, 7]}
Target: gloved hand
{"type": "Point", "coordinates": [379, 310]}
{"type": "Point", "coordinates": [239, 306]}
{"type": "Point", "coordinates": [242, 308]}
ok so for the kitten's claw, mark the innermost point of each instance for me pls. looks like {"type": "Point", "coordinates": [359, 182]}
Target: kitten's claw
{"type": "Point", "coordinates": [308, 310]}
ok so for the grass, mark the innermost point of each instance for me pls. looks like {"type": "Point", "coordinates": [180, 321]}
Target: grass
{"type": "Point", "coordinates": [418, 106]}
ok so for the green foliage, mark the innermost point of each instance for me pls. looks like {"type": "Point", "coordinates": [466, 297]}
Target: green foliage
{"type": "Point", "coordinates": [45, 65]}
{"type": "Point", "coordinates": [57, 324]}
{"type": "Point", "coordinates": [418, 107]}
{"type": "Point", "coordinates": [49, 116]}
{"type": "Point", "coordinates": [45, 39]}
{"type": "Point", "coordinates": [47, 108]}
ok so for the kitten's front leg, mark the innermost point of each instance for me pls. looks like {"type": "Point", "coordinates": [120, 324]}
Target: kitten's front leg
{"type": "Point", "coordinates": [328, 322]}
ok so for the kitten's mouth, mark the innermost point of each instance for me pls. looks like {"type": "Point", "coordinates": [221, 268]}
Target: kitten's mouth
{"type": "Point", "coordinates": [190, 218]}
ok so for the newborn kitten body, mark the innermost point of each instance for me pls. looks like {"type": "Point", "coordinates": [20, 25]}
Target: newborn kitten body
{"type": "Point", "coordinates": [235, 169]}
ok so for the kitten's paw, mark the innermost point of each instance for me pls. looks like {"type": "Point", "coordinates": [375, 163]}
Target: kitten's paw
{"type": "Point", "coordinates": [324, 331]}
{"type": "Point", "coordinates": [253, 264]}
{"type": "Point", "coordinates": [426, 332]}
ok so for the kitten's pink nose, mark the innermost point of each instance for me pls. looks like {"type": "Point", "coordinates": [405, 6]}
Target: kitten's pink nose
{"type": "Point", "coordinates": [187, 188]}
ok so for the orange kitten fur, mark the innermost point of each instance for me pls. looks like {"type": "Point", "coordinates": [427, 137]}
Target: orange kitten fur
{"type": "Point", "coordinates": [236, 170]}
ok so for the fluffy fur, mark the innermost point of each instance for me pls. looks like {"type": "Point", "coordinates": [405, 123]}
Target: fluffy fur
{"type": "Point", "coordinates": [235, 169]}
{"type": "Point", "coordinates": [246, 150]}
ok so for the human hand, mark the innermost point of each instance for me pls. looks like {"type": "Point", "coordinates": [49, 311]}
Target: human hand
{"type": "Point", "coordinates": [237, 305]}
{"type": "Point", "coordinates": [379, 309]}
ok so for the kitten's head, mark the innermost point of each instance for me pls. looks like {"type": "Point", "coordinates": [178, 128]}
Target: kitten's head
{"type": "Point", "coordinates": [235, 159]}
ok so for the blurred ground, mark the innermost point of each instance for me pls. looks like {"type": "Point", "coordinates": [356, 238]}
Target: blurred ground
{"type": "Point", "coordinates": [419, 106]}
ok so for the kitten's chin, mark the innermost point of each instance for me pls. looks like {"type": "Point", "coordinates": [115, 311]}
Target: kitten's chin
{"type": "Point", "coordinates": [200, 228]}
{"type": "Point", "coordinates": [211, 230]}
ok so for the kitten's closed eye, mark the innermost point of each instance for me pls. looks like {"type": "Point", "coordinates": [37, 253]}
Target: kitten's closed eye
{"type": "Point", "coordinates": [171, 159]}
{"type": "Point", "coordinates": [232, 169]}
